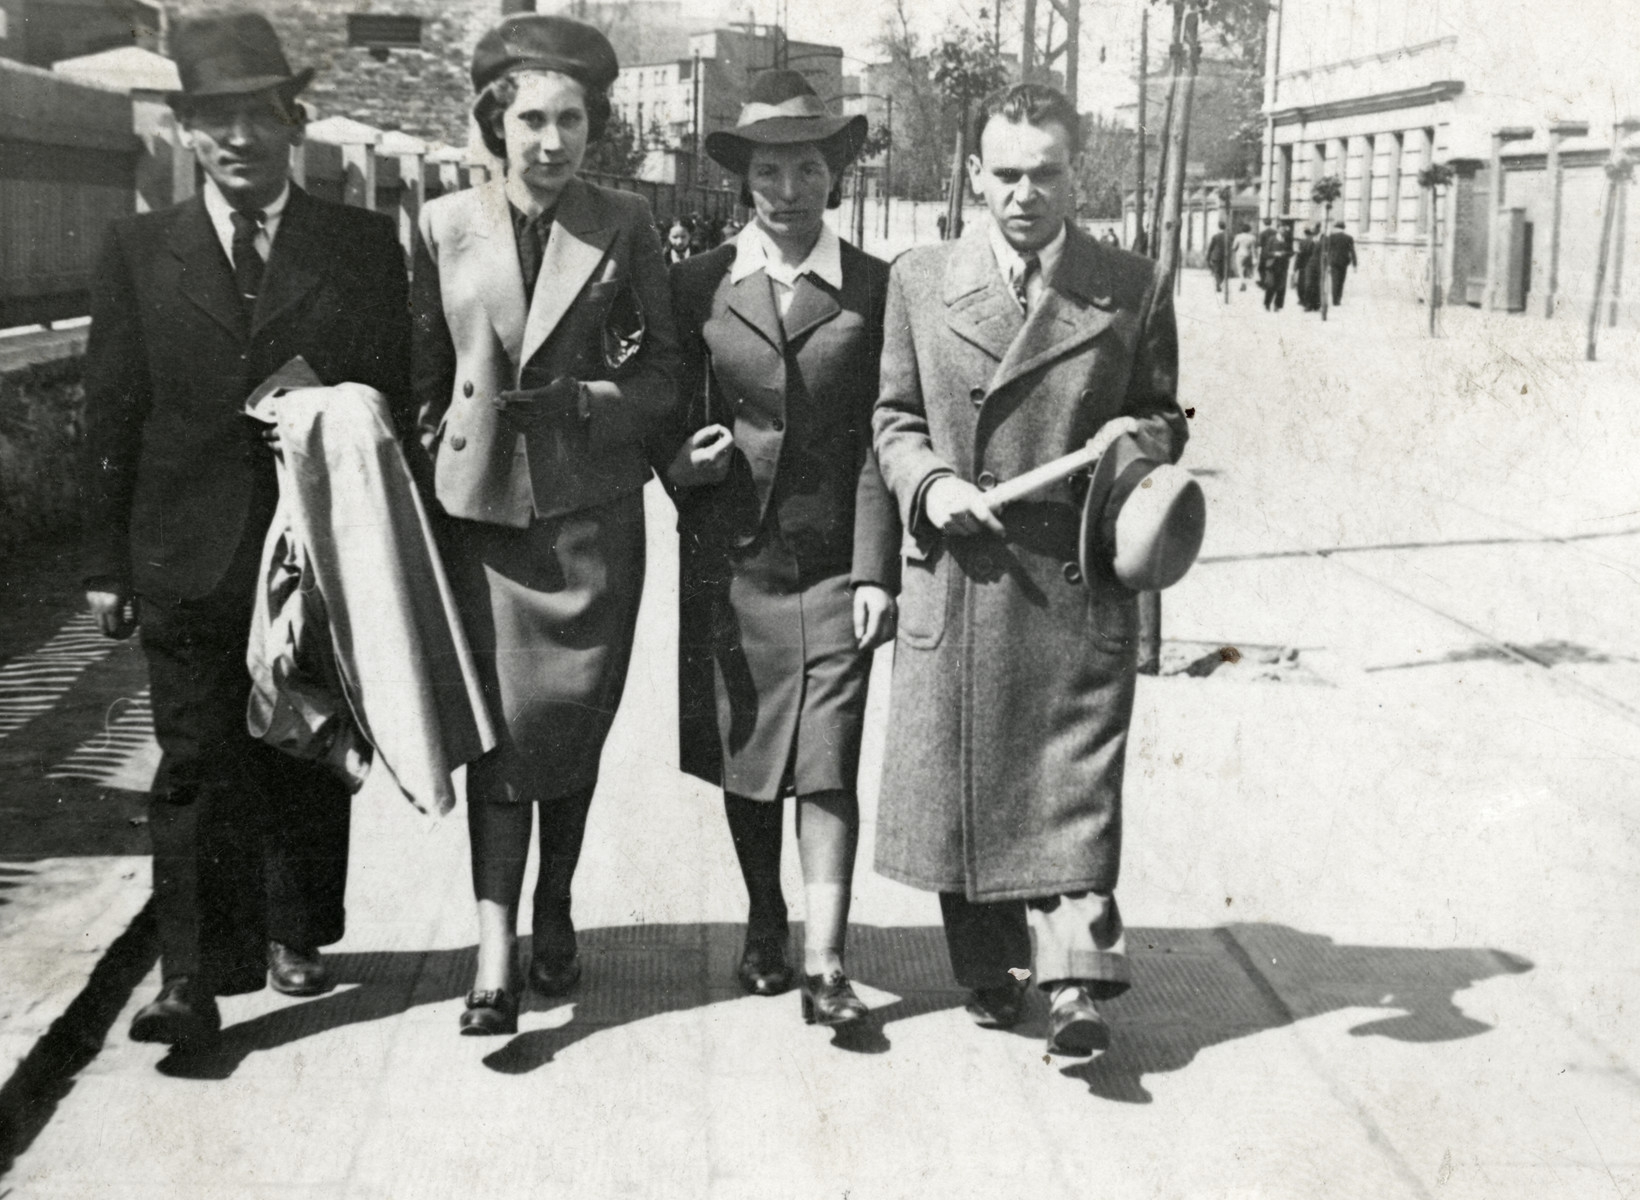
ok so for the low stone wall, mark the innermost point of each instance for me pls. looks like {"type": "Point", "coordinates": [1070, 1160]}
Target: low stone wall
{"type": "Point", "coordinates": [40, 419]}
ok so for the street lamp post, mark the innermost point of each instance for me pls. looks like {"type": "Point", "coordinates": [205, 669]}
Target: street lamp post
{"type": "Point", "coordinates": [888, 158]}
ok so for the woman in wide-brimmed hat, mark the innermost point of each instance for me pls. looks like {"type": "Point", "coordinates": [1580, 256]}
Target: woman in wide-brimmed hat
{"type": "Point", "coordinates": [790, 542]}
{"type": "Point", "coordinates": [544, 359]}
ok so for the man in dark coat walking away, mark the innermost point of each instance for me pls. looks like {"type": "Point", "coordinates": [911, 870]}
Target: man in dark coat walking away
{"type": "Point", "coordinates": [1275, 252]}
{"type": "Point", "coordinates": [192, 308]}
{"type": "Point", "coordinates": [1218, 256]}
{"type": "Point", "coordinates": [1340, 258]}
{"type": "Point", "coordinates": [1014, 676]}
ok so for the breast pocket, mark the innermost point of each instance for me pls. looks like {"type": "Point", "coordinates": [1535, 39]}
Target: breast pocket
{"type": "Point", "coordinates": [925, 586]}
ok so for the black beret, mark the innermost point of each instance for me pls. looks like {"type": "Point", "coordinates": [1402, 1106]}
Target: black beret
{"type": "Point", "coordinates": [545, 44]}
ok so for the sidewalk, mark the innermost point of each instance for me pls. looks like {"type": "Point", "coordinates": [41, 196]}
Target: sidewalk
{"type": "Point", "coordinates": [1380, 867]}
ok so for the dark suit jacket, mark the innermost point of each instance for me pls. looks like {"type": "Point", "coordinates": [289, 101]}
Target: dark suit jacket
{"type": "Point", "coordinates": [173, 478]}
{"type": "Point", "coordinates": [798, 396]}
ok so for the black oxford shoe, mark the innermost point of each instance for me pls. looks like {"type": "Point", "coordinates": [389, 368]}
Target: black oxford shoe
{"type": "Point", "coordinates": [997, 1007]}
{"type": "Point", "coordinates": [296, 972]}
{"type": "Point", "coordinates": [1075, 1027]}
{"type": "Point", "coordinates": [830, 1000]}
{"type": "Point", "coordinates": [181, 1015]}
{"type": "Point", "coordinates": [764, 969]}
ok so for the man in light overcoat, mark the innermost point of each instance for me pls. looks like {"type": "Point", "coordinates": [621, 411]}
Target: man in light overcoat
{"type": "Point", "coordinates": [1013, 675]}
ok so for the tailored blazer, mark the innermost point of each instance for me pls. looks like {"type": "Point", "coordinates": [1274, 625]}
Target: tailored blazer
{"type": "Point", "coordinates": [798, 395]}
{"type": "Point", "coordinates": [477, 336]}
{"type": "Point", "coordinates": [1013, 676]}
{"type": "Point", "coordinates": [173, 474]}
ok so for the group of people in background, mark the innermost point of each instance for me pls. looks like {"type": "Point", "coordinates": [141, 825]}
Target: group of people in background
{"type": "Point", "coordinates": [827, 427]}
{"type": "Point", "coordinates": [1317, 259]}
{"type": "Point", "coordinates": [684, 237]}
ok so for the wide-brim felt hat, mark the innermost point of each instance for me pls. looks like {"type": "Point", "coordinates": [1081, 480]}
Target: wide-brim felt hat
{"type": "Point", "coordinates": [231, 54]}
{"type": "Point", "coordinates": [782, 109]}
{"type": "Point", "coordinates": [534, 41]}
{"type": "Point", "coordinates": [1142, 520]}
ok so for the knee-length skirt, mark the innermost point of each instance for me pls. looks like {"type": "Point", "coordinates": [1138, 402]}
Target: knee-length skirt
{"type": "Point", "coordinates": [550, 611]}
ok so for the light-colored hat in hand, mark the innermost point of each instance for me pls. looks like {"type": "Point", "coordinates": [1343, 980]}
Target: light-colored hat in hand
{"type": "Point", "coordinates": [1143, 519]}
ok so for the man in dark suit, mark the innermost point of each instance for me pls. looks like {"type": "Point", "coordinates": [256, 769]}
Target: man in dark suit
{"type": "Point", "coordinates": [192, 308]}
{"type": "Point", "coordinates": [1340, 258]}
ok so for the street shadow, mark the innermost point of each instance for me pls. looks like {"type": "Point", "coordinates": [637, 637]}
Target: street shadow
{"type": "Point", "coordinates": [1545, 654]}
{"type": "Point", "coordinates": [1193, 989]}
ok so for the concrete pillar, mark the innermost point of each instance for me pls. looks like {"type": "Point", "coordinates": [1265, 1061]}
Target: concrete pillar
{"type": "Point", "coordinates": [1558, 133]}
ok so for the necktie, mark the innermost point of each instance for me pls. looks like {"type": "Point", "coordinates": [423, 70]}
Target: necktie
{"type": "Point", "coordinates": [1026, 267]}
{"type": "Point", "coordinates": [531, 234]}
{"type": "Point", "coordinates": [247, 263]}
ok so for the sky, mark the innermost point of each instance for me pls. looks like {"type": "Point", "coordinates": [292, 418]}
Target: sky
{"type": "Point", "coordinates": [854, 25]}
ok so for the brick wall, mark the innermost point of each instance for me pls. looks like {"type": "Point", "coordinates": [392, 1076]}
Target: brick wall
{"type": "Point", "coordinates": [425, 92]}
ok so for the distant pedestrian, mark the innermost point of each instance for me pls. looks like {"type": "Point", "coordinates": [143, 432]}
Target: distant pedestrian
{"type": "Point", "coordinates": [940, 223]}
{"type": "Point", "coordinates": [677, 244]}
{"type": "Point", "coordinates": [1307, 265]}
{"type": "Point", "coordinates": [1109, 237]}
{"type": "Point", "coordinates": [1242, 253]}
{"type": "Point", "coordinates": [1267, 237]}
{"type": "Point", "coordinates": [1218, 256]}
{"type": "Point", "coordinates": [1141, 242]}
{"type": "Point", "coordinates": [1340, 258]}
{"type": "Point", "coordinates": [1275, 253]}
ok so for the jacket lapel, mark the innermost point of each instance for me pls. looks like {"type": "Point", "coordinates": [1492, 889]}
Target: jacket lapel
{"type": "Point", "coordinates": [297, 262]}
{"type": "Point", "coordinates": [1072, 310]}
{"type": "Point", "coordinates": [979, 308]}
{"type": "Point", "coordinates": [813, 304]}
{"type": "Point", "coordinates": [207, 277]}
{"type": "Point", "coordinates": [574, 249]}
{"type": "Point", "coordinates": [491, 256]}
{"type": "Point", "coordinates": [752, 300]}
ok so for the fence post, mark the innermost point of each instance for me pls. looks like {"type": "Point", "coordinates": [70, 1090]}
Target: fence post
{"type": "Point", "coordinates": [410, 153]}
{"type": "Point", "coordinates": [357, 142]}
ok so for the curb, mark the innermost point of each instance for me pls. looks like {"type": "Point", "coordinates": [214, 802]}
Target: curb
{"type": "Point", "coordinates": [29, 1098]}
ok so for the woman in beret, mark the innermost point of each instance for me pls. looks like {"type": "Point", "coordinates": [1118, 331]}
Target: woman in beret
{"type": "Point", "coordinates": [544, 357]}
{"type": "Point", "coordinates": [790, 542]}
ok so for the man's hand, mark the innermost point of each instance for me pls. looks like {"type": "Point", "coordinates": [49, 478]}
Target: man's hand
{"type": "Point", "coordinates": [956, 507]}
{"type": "Point", "coordinates": [1110, 431]}
{"type": "Point", "coordinates": [703, 459]}
{"type": "Point", "coordinates": [875, 612]}
{"type": "Point", "coordinates": [116, 612]}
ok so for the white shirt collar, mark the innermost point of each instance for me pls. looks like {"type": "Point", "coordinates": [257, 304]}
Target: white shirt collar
{"type": "Point", "coordinates": [754, 253]}
{"type": "Point", "coordinates": [1009, 260]}
{"type": "Point", "coordinates": [221, 215]}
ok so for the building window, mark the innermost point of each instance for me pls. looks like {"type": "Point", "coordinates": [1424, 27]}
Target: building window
{"type": "Point", "coordinates": [1369, 177]}
{"type": "Point", "coordinates": [381, 32]}
{"type": "Point", "coordinates": [1424, 193]}
{"type": "Point", "coordinates": [1392, 193]}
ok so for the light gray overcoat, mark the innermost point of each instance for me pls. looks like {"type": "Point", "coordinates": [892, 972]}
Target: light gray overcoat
{"type": "Point", "coordinates": [1013, 678]}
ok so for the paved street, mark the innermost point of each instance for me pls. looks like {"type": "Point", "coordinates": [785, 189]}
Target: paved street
{"type": "Point", "coordinates": [1382, 863]}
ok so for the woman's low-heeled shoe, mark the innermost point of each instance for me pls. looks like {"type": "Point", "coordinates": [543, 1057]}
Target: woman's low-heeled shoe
{"type": "Point", "coordinates": [830, 1000]}
{"type": "Point", "coordinates": [764, 969]}
{"type": "Point", "coordinates": [490, 1012]}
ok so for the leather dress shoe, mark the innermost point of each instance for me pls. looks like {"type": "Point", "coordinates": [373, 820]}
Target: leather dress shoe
{"type": "Point", "coordinates": [997, 1007]}
{"type": "Point", "coordinates": [181, 1015]}
{"type": "Point", "coordinates": [554, 980]}
{"type": "Point", "coordinates": [830, 1000]}
{"type": "Point", "coordinates": [1075, 1027]}
{"type": "Point", "coordinates": [764, 969]}
{"type": "Point", "coordinates": [297, 972]}
{"type": "Point", "coordinates": [490, 1012]}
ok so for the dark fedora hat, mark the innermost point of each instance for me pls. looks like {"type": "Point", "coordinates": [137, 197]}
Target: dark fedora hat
{"type": "Point", "coordinates": [782, 109]}
{"type": "Point", "coordinates": [231, 54]}
{"type": "Point", "coordinates": [544, 43]}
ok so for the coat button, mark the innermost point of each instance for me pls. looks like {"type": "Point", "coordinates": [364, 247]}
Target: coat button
{"type": "Point", "coordinates": [777, 424]}
{"type": "Point", "coordinates": [1087, 396]}
{"type": "Point", "coordinates": [467, 388]}
{"type": "Point", "coordinates": [986, 481]}
{"type": "Point", "coordinates": [977, 395]}
{"type": "Point", "coordinates": [457, 442]}
{"type": "Point", "coordinates": [1072, 573]}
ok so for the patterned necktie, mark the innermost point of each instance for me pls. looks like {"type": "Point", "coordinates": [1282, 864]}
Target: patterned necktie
{"type": "Point", "coordinates": [1023, 270]}
{"type": "Point", "coordinates": [247, 263]}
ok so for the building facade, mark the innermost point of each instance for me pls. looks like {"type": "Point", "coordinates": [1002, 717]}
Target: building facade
{"type": "Point", "coordinates": [1524, 104]}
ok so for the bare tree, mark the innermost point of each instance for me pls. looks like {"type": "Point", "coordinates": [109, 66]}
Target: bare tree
{"type": "Point", "coordinates": [1107, 156]}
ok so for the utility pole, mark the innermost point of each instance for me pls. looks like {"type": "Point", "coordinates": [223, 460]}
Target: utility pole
{"type": "Point", "coordinates": [1144, 103]}
{"type": "Point", "coordinates": [694, 120]}
{"type": "Point", "coordinates": [1071, 12]}
{"type": "Point", "coordinates": [888, 167]}
{"type": "Point", "coordinates": [1027, 44]}
{"type": "Point", "coordinates": [1175, 55]}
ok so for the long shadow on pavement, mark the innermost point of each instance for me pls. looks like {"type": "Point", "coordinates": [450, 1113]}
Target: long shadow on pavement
{"type": "Point", "coordinates": [1193, 989]}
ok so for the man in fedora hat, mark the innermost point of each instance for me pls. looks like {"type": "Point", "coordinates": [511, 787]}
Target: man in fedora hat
{"type": "Point", "coordinates": [1014, 673]}
{"type": "Point", "coordinates": [192, 307]}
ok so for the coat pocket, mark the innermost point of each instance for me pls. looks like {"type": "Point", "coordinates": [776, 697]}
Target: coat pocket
{"type": "Point", "coordinates": [1113, 619]}
{"type": "Point", "coordinates": [925, 584]}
